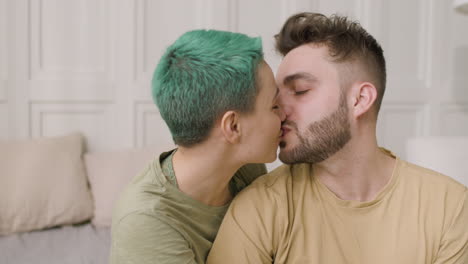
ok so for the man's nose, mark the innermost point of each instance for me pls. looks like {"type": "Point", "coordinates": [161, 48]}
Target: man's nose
{"type": "Point", "coordinates": [284, 105]}
{"type": "Point", "coordinates": [281, 114]}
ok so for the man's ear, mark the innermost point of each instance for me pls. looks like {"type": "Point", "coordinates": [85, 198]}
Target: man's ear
{"type": "Point", "coordinates": [364, 96]}
{"type": "Point", "coordinates": [230, 126]}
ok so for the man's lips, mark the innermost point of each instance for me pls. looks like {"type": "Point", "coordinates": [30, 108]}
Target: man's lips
{"type": "Point", "coordinates": [284, 130]}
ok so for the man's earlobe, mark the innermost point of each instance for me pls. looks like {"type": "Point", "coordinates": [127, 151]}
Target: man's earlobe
{"type": "Point", "coordinates": [230, 127]}
{"type": "Point", "coordinates": [365, 96]}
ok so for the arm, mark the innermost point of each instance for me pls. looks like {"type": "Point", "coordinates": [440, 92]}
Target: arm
{"type": "Point", "coordinates": [145, 239]}
{"type": "Point", "coordinates": [245, 176]}
{"type": "Point", "coordinates": [454, 246]}
{"type": "Point", "coordinates": [247, 233]}
{"type": "Point", "coordinates": [234, 245]}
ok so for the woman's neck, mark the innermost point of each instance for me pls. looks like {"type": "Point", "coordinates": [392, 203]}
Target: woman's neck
{"type": "Point", "coordinates": [203, 173]}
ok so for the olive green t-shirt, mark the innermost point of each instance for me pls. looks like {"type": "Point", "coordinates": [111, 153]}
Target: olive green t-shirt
{"type": "Point", "coordinates": [154, 222]}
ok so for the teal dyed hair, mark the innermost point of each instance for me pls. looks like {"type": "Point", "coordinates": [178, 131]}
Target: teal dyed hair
{"type": "Point", "coordinates": [203, 74]}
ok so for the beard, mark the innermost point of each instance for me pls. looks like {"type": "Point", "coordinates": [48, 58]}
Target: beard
{"type": "Point", "coordinates": [321, 139]}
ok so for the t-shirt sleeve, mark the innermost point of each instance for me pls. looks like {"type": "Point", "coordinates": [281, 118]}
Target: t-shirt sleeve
{"type": "Point", "coordinates": [144, 239]}
{"type": "Point", "coordinates": [246, 234]}
{"type": "Point", "coordinates": [245, 176]}
{"type": "Point", "coordinates": [454, 245]}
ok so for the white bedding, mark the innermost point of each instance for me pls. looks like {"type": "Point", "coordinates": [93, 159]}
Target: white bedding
{"type": "Point", "coordinates": [63, 245]}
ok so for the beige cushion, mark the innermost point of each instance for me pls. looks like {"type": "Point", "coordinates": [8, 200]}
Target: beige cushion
{"type": "Point", "coordinates": [109, 173]}
{"type": "Point", "coordinates": [43, 184]}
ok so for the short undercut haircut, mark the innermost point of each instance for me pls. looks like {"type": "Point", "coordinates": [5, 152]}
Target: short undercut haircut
{"type": "Point", "coordinates": [203, 74]}
{"type": "Point", "coordinates": [346, 40]}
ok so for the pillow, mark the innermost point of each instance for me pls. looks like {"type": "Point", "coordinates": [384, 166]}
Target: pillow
{"type": "Point", "coordinates": [109, 173]}
{"type": "Point", "coordinates": [43, 184]}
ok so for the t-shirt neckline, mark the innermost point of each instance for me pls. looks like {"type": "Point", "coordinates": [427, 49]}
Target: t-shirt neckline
{"type": "Point", "coordinates": [382, 194]}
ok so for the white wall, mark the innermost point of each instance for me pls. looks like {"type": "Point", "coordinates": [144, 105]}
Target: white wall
{"type": "Point", "coordinates": [86, 64]}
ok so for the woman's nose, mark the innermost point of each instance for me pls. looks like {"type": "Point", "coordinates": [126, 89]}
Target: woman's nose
{"type": "Point", "coordinates": [284, 107]}
{"type": "Point", "coordinates": [281, 114]}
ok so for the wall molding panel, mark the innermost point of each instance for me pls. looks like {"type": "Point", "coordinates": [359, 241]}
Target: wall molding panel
{"type": "Point", "coordinates": [454, 119]}
{"type": "Point", "coordinates": [4, 58]}
{"type": "Point", "coordinates": [87, 65]}
{"type": "Point", "coordinates": [407, 30]}
{"type": "Point", "coordinates": [287, 8]}
{"type": "Point", "coordinates": [4, 130]}
{"type": "Point", "coordinates": [426, 39]}
{"type": "Point", "coordinates": [205, 14]}
{"type": "Point", "coordinates": [290, 7]}
{"type": "Point", "coordinates": [151, 18]}
{"type": "Point", "coordinates": [150, 128]}
{"type": "Point", "coordinates": [91, 119]}
{"type": "Point", "coordinates": [369, 14]}
{"type": "Point", "coordinates": [399, 121]}
{"type": "Point", "coordinates": [363, 13]}
{"type": "Point", "coordinates": [71, 42]}
{"type": "Point", "coordinates": [233, 15]}
{"type": "Point", "coordinates": [3, 91]}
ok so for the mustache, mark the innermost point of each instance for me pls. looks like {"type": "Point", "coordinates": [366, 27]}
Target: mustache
{"type": "Point", "coordinates": [289, 123]}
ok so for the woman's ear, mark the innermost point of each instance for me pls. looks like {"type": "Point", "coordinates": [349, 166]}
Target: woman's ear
{"type": "Point", "coordinates": [230, 127]}
{"type": "Point", "coordinates": [364, 96]}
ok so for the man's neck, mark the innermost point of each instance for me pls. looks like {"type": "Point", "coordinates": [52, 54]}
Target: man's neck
{"type": "Point", "coordinates": [203, 173]}
{"type": "Point", "coordinates": [358, 172]}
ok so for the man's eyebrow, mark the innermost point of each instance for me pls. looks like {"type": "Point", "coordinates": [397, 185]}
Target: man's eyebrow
{"type": "Point", "coordinates": [300, 75]}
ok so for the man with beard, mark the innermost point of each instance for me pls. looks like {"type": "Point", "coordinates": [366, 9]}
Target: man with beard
{"type": "Point", "coordinates": [340, 198]}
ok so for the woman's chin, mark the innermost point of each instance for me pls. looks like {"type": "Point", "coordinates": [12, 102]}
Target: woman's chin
{"type": "Point", "coordinates": [265, 157]}
{"type": "Point", "coordinates": [272, 157]}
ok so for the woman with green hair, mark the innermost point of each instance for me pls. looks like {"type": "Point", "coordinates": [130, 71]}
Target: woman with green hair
{"type": "Point", "coordinates": [217, 95]}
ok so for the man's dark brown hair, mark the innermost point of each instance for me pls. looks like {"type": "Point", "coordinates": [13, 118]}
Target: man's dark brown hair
{"type": "Point", "coordinates": [346, 40]}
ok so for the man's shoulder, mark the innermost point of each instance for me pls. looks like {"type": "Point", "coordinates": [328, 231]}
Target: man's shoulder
{"type": "Point", "coordinates": [273, 185]}
{"type": "Point", "coordinates": [430, 180]}
{"type": "Point", "coordinates": [434, 191]}
{"type": "Point", "coordinates": [261, 209]}
{"type": "Point", "coordinates": [276, 179]}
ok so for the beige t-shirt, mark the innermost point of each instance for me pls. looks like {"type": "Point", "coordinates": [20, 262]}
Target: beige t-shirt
{"type": "Point", "coordinates": [288, 216]}
{"type": "Point", "coordinates": [154, 222]}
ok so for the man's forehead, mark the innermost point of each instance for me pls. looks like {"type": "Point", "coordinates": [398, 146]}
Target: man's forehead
{"type": "Point", "coordinates": [289, 71]}
{"type": "Point", "coordinates": [307, 50]}
{"type": "Point", "coordinates": [302, 60]}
